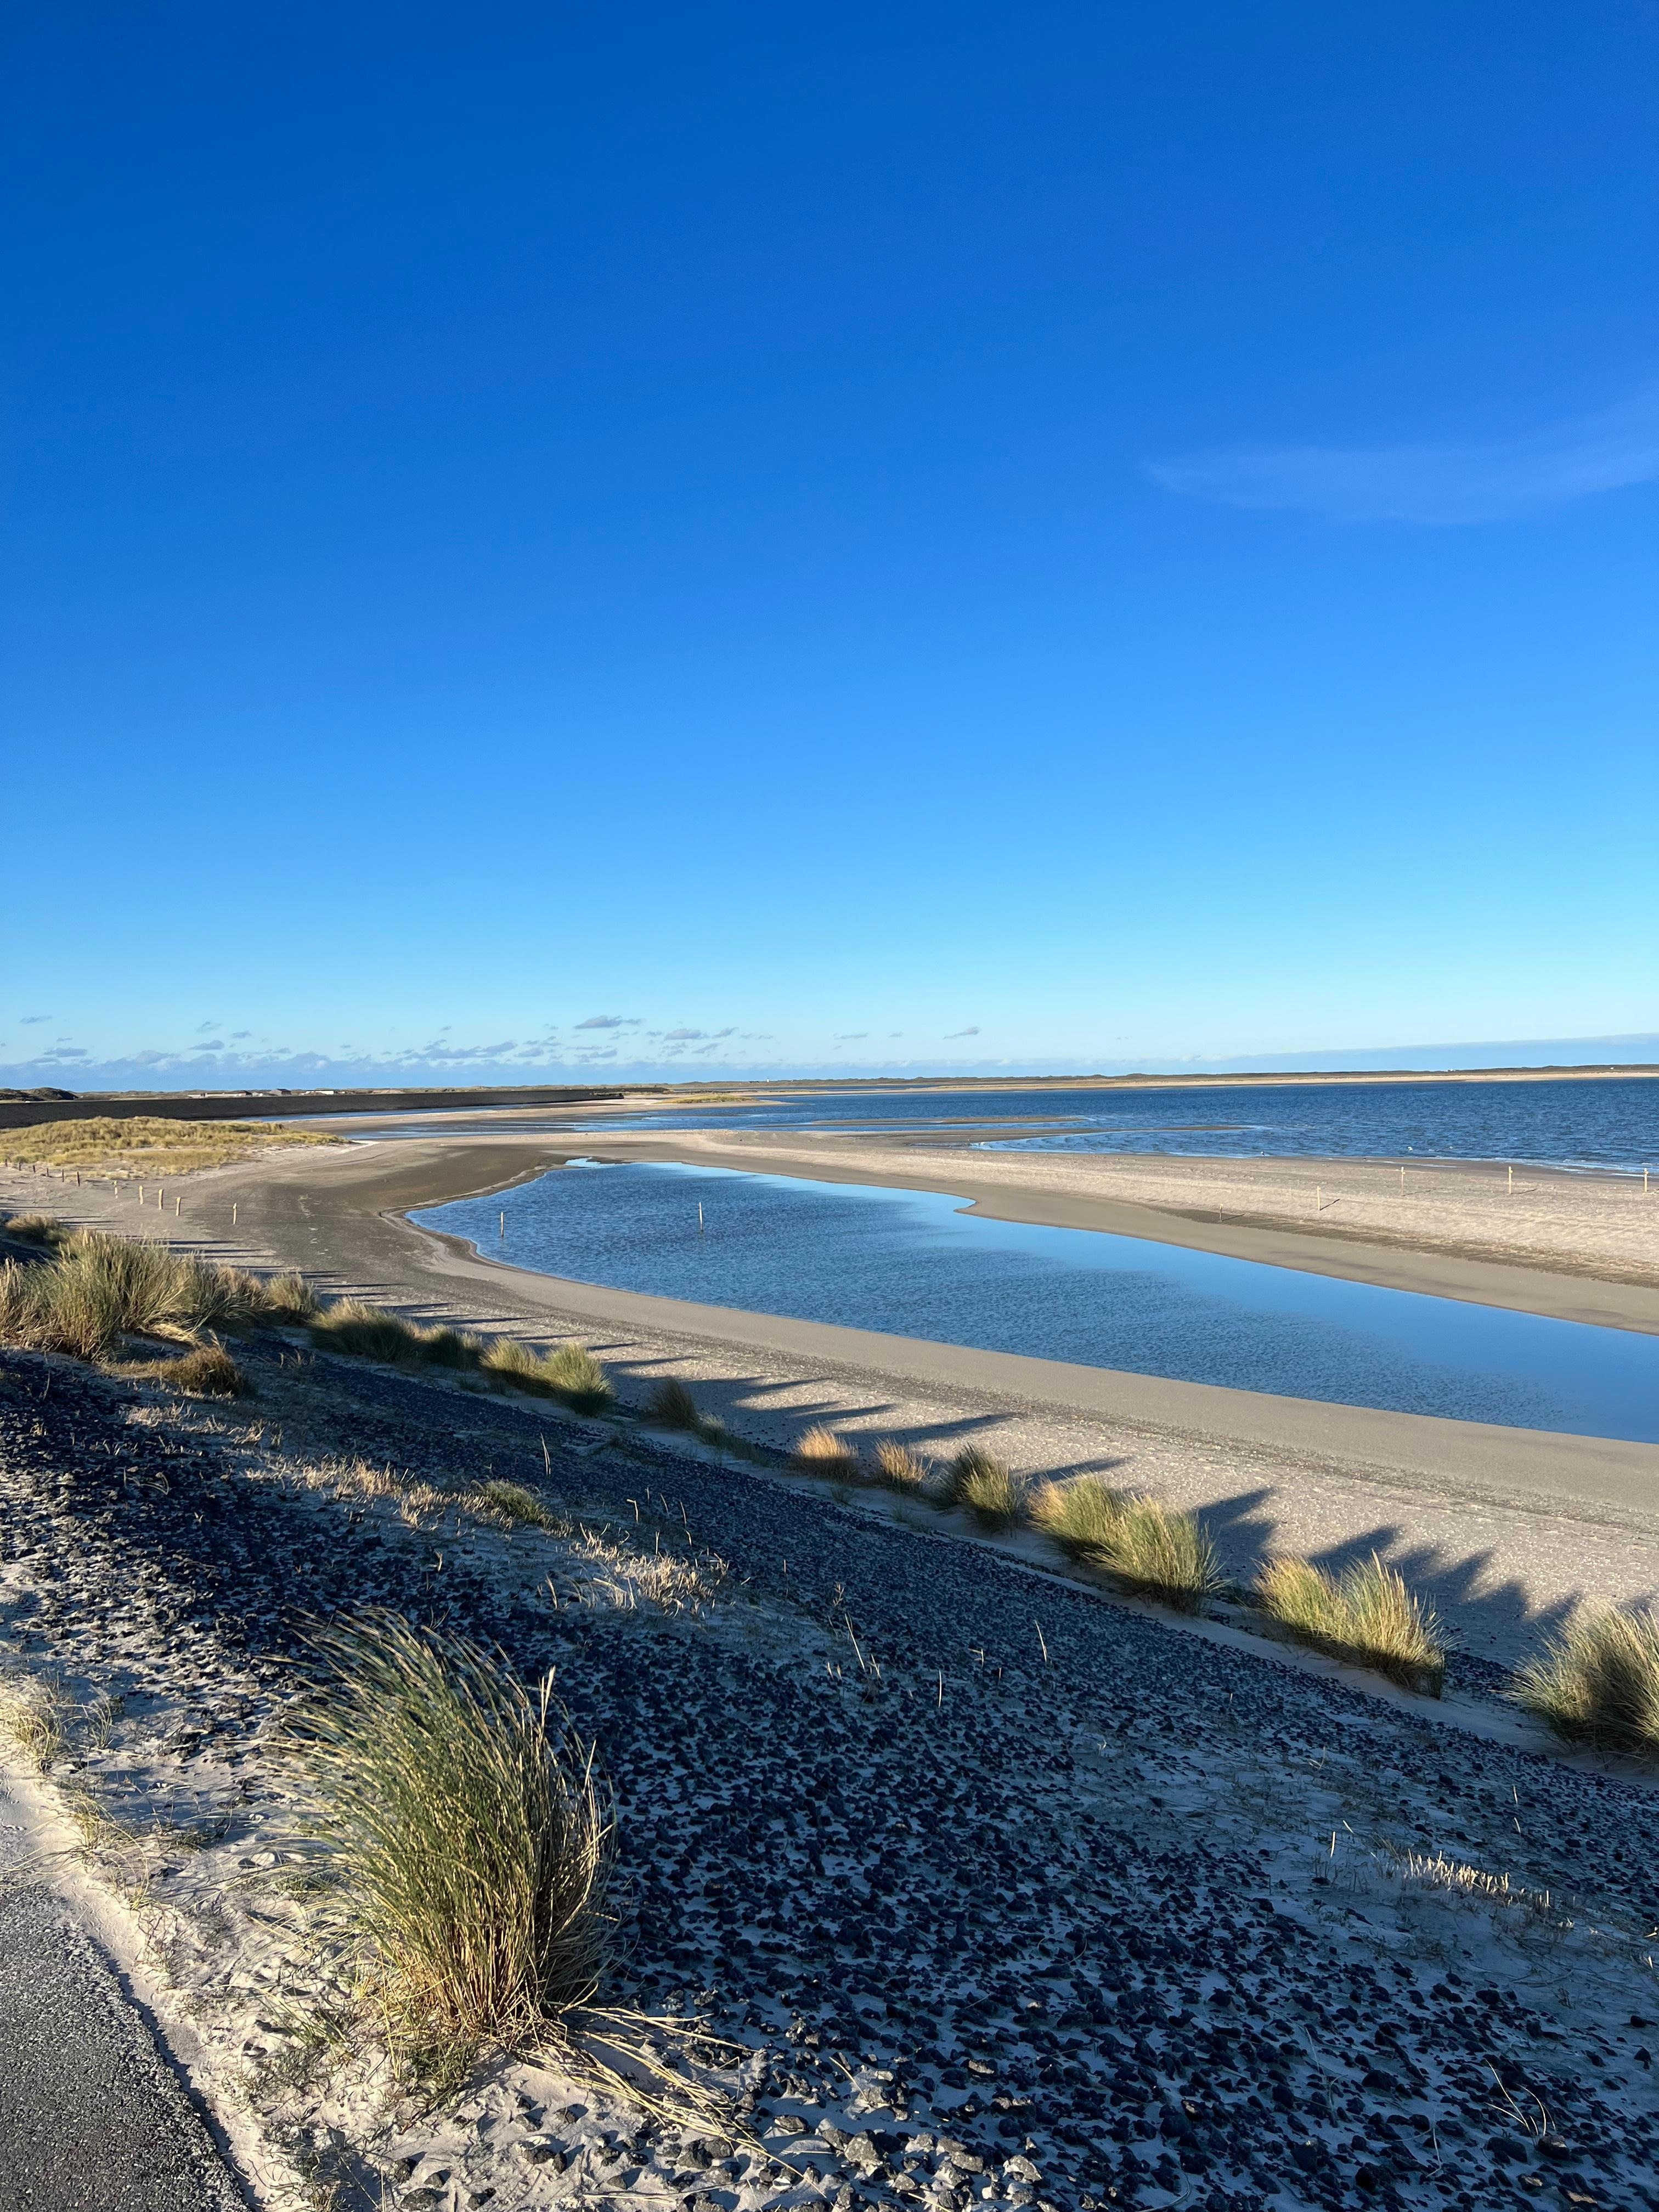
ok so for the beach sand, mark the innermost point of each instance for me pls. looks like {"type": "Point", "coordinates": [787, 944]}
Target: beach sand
{"type": "Point", "coordinates": [1505, 1528]}
{"type": "Point", "coordinates": [1452, 1229]}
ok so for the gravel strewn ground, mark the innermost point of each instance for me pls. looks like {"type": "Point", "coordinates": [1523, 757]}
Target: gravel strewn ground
{"type": "Point", "coordinates": [1015, 1895]}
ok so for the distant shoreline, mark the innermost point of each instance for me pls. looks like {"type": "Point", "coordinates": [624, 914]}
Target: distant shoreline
{"type": "Point", "coordinates": [810, 1086]}
{"type": "Point", "coordinates": [21, 1109]}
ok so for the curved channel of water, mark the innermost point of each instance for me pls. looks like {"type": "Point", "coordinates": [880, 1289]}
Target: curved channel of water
{"type": "Point", "coordinates": [912, 1263]}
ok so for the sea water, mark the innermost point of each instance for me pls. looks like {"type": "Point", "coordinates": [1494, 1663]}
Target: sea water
{"type": "Point", "coordinates": [912, 1263]}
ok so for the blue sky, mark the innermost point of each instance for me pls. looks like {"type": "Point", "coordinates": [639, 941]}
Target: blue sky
{"type": "Point", "coordinates": [639, 537]}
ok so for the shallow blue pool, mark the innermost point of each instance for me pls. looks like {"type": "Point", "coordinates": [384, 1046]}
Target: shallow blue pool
{"type": "Point", "coordinates": [913, 1264]}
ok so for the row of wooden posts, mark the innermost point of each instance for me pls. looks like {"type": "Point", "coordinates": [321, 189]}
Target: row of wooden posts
{"type": "Point", "coordinates": [114, 1183]}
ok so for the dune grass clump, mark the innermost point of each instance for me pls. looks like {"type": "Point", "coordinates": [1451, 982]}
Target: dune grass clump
{"type": "Point", "coordinates": [368, 1332]}
{"type": "Point", "coordinates": [97, 1288]}
{"type": "Point", "coordinates": [1082, 1515]}
{"type": "Point", "coordinates": [512, 1504]}
{"type": "Point", "coordinates": [17, 1301]}
{"type": "Point", "coordinates": [32, 1722]}
{"type": "Point", "coordinates": [149, 1144]}
{"type": "Point", "coordinates": [289, 1298]}
{"type": "Point", "coordinates": [821, 1451]}
{"type": "Point", "coordinates": [570, 1373]}
{"type": "Point", "coordinates": [1597, 1681]}
{"type": "Point", "coordinates": [898, 1466]}
{"type": "Point", "coordinates": [1148, 1548]}
{"type": "Point", "coordinates": [671, 1406]}
{"type": "Point", "coordinates": [37, 1228]}
{"type": "Point", "coordinates": [207, 1372]}
{"type": "Point", "coordinates": [990, 1490]}
{"type": "Point", "coordinates": [461, 1833]}
{"type": "Point", "coordinates": [442, 1346]}
{"type": "Point", "coordinates": [1367, 1615]}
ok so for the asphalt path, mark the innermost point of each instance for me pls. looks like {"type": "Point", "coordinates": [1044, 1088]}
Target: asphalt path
{"type": "Point", "coordinates": [92, 2117]}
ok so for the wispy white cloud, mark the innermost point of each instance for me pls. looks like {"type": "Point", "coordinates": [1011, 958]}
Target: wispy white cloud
{"type": "Point", "coordinates": [29, 1020]}
{"type": "Point", "coordinates": [1488, 481]}
{"type": "Point", "coordinates": [949, 1034]}
{"type": "Point", "coordinates": [610, 1021]}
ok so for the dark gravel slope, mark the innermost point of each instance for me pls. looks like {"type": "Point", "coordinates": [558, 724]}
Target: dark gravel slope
{"type": "Point", "coordinates": [1048, 1880]}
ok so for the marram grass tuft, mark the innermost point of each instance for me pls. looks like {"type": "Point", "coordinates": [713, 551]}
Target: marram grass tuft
{"type": "Point", "coordinates": [1367, 1615]}
{"type": "Point", "coordinates": [570, 1373]}
{"type": "Point", "coordinates": [1150, 1549]}
{"type": "Point", "coordinates": [821, 1451]}
{"type": "Point", "coordinates": [1597, 1680]}
{"type": "Point", "coordinates": [671, 1406]}
{"type": "Point", "coordinates": [987, 1487]}
{"type": "Point", "coordinates": [461, 1833]}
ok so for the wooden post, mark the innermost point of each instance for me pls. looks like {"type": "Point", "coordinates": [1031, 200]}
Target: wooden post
{"type": "Point", "coordinates": [1511, 1179]}
{"type": "Point", "coordinates": [503, 1221]}
{"type": "Point", "coordinates": [233, 1213]}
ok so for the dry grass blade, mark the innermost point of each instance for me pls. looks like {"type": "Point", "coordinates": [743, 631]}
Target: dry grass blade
{"type": "Point", "coordinates": [990, 1490]}
{"type": "Point", "coordinates": [1597, 1681]}
{"type": "Point", "coordinates": [823, 1452]}
{"type": "Point", "coordinates": [671, 1406]}
{"type": "Point", "coordinates": [1368, 1616]}
{"type": "Point", "coordinates": [464, 1836]}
